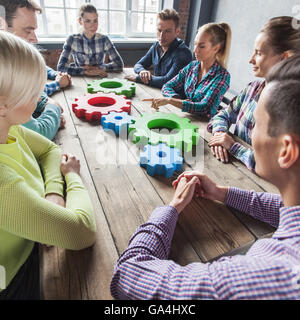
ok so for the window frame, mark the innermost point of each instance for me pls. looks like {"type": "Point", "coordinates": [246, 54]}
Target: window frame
{"type": "Point", "coordinates": [128, 14]}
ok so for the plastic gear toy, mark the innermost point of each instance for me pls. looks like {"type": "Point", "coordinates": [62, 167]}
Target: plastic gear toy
{"type": "Point", "coordinates": [118, 122]}
{"type": "Point", "coordinates": [117, 86]}
{"type": "Point", "coordinates": [94, 106]}
{"type": "Point", "coordinates": [161, 160]}
{"type": "Point", "coordinates": [183, 135]}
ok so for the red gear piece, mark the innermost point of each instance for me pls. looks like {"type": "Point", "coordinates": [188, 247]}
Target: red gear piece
{"type": "Point", "coordinates": [93, 106]}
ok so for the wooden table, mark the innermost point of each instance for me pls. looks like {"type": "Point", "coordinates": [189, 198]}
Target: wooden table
{"type": "Point", "coordinates": [124, 196]}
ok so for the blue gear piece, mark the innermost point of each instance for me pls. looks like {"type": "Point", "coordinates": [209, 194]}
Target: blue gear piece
{"type": "Point", "coordinates": [161, 160]}
{"type": "Point", "coordinates": [116, 121]}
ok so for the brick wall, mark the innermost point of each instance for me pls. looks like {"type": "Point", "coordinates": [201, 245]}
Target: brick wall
{"type": "Point", "coordinates": [184, 10]}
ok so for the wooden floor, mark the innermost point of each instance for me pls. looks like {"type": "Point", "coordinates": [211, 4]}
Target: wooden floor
{"type": "Point", "coordinates": [124, 196]}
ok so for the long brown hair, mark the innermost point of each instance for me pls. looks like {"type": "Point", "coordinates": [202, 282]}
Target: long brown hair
{"type": "Point", "coordinates": [281, 34]}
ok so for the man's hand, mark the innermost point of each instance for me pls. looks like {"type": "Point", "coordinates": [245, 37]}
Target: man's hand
{"type": "Point", "coordinates": [145, 76]}
{"type": "Point", "coordinates": [131, 77]}
{"type": "Point", "coordinates": [185, 190]}
{"type": "Point", "coordinates": [64, 79]}
{"type": "Point", "coordinates": [206, 188]}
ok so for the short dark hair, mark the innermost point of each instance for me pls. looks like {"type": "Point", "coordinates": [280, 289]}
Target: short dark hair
{"type": "Point", "coordinates": [87, 8]}
{"type": "Point", "coordinates": [283, 102]}
{"type": "Point", "coordinates": [11, 7]}
{"type": "Point", "coordinates": [169, 14]}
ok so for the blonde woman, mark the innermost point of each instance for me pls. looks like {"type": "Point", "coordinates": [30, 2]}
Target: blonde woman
{"type": "Point", "coordinates": [32, 176]}
{"type": "Point", "coordinates": [89, 48]}
{"type": "Point", "coordinates": [201, 85]}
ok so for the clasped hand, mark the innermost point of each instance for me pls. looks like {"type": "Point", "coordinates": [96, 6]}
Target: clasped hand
{"type": "Point", "coordinates": [220, 144]}
{"type": "Point", "coordinates": [94, 71]}
{"type": "Point", "coordinates": [195, 184]}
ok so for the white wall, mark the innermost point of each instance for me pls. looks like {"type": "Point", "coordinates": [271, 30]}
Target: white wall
{"type": "Point", "coordinates": [246, 17]}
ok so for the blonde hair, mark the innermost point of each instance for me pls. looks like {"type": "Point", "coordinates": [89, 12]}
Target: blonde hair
{"type": "Point", "coordinates": [22, 70]}
{"type": "Point", "coordinates": [219, 33]}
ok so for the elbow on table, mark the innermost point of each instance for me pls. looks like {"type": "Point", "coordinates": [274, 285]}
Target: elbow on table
{"type": "Point", "coordinates": [85, 241]}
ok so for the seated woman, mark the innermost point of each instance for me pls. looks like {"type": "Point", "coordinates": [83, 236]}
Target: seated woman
{"type": "Point", "coordinates": [201, 85]}
{"type": "Point", "coordinates": [276, 41]}
{"type": "Point", "coordinates": [32, 177]}
{"type": "Point", "coordinates": [89, 49]}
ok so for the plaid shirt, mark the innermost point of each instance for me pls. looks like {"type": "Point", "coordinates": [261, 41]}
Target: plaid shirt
{"type": "Point", "coordinates": [202, 98]}
{"type": "Point", "coordinates": [240, 112]}
{"type": "Point", "coordinates": [89, 52]}
{"type": "Point", "coordinates": [53, 86]}
{"type": "Point", "coordinates": [270, 269]}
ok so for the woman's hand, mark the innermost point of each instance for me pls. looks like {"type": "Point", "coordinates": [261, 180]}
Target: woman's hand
{"type": "Point", "coordinates": [69, 163]}
{"type": "Point", "coordinates": [94, 71]}
{"type": "Point", "coordinates": [56, 198]}
{"type": "Point", "coordinates": [206, 188]}
{"type": "Point", "coordinates": [184, 193]}
{"type": "Point", "coordinates": [156, 103]}
{"type": "Point", "coordinates": [220, 144]}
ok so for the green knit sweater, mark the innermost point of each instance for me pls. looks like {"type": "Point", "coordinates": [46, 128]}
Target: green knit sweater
{"type": "Point", "coordinates": [29, 170]}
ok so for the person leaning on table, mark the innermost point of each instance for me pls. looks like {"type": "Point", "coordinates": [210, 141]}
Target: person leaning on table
{"type": "Point", "coordinates": [89, 48]}
{"type": "Point", "coordinates": [200, 86]}
{"type": "Point", "coordinates": [270, 269]}
{"type": "Point", "coordinates": [167, 56]}
{"type": "Point", "coordinates": [277, 40]}
{"type": "Point", "coordinates": [20, 19]}
{"type": "Point", "coordinates": [32, 176]}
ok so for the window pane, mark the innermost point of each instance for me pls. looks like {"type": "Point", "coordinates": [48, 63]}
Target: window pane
{"type": "Point", "coordinates": [137, 21]}
{"type": "Point", "coordinates": [150, 22]}
{"type": "Point", "coordinates": [152, 5]}
{"type": "Point", "coordinates": [72, 21]}
{"type": "Point", "coordinates": [117, 4]}
{"type": "Point", "coordinates": [56, 21]}
{"type": "Point", "coordinates": [138, 5]}
{"type": "Point", "coordinates": [74, 3]}
{"type": "Point", "coordinates": [40, 29]}
{"type": "Point", "coordinates": [54, 3]}
{"type": "Point", "coordinates": [117, 21]}
{"type": "Point", "coordinates": [100, 4]}
{"type": "Point", "coordinates": [102, 22]}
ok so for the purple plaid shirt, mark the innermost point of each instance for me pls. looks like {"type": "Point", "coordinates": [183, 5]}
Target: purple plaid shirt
{"type": "Point", "coordinates": [270, 269]}
{"type": "Point", "coordinates": [240, 113]}
{"type": "Point", "coordinates": [204, 97]}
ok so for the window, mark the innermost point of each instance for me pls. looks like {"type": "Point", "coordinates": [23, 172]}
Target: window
{"type": "Point", "coordinates": [119, 18]}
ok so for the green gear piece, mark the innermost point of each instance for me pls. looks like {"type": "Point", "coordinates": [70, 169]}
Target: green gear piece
{"type": "Point", "coordinates": [117, 86]}
{"type": "Point", "coordinates": [183, 135]}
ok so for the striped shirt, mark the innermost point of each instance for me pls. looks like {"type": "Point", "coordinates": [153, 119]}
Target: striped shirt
{"type": "Point", "coordinates": [240, 113]}
{"type": "Point", "coordinates": [90, 52]}
{"type": "Point", "coordinates": [204, 97]}
{"type": "Point", "coordinates": [269, 270]}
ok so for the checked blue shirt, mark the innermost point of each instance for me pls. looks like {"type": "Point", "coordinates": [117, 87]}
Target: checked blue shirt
{"type": "Point", "coordinates": [89, 52]}
{"type": "Point", "coordinates": [53, 86]}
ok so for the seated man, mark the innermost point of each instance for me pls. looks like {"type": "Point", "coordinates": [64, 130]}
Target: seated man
{"type": "Point", "coordinates": [167, 56]}
{"type": "Point", "coordinates": [20, 19]}
{"type": "Point", "coordinates": [270, 269]}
